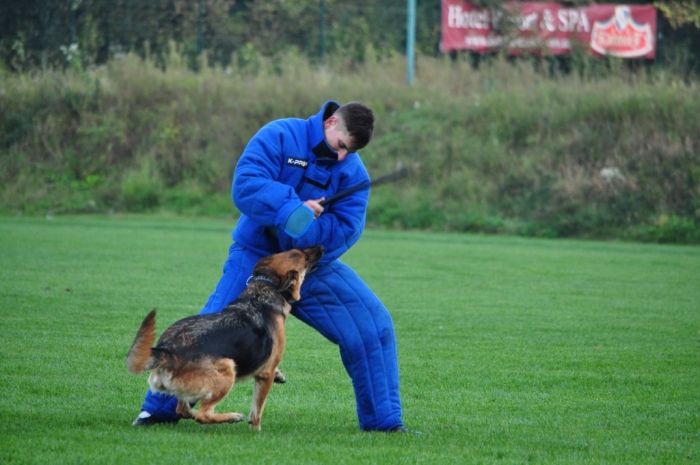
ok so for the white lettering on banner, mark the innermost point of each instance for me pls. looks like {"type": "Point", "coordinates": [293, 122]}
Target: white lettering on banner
{"type": "Point", "coordinates": [559, 43]}
{"type": "Point", "coordinates": [453, 15]}
{"type": "Point", "coordinates": [478, 42]}
{"type": "Point", "coordinates": [547, 23]}
{"type": "Point", "coordinates": [571, 20]}
{"type": "Point", "coordinates": [529, 22]}
{"type": "Point", "coordinates": [526, 42]}
{"type": "Point", "coordinates": [566, 20]}
{"type": "Point", "coordinates": [474, 42]}
{"type": "Point", "coordinates": [468, 20]}
{"type": "Point", "coordinates": [615, 40]}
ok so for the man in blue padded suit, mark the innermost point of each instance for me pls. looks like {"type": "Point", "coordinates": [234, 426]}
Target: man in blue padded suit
{"type": "Point", "coordinates": [286, 169]}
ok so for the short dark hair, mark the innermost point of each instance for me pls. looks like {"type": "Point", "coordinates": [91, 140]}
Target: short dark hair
{"type": "Point", "coordinates": [359, 122]}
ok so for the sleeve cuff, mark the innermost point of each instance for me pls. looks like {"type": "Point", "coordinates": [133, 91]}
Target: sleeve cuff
{"type": "Point", "coordinates": [299, 221]}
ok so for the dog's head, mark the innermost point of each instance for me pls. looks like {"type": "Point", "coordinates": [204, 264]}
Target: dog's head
{"type": "Point", "coordinates": [287, 270]}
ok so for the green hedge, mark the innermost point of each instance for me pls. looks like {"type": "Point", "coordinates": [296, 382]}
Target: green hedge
{"type": "Point", "coordinates": [506, 148]}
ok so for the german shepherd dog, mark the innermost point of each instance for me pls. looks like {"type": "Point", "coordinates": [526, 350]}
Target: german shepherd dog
{"type": "Point", "coordinates": [199, 358]}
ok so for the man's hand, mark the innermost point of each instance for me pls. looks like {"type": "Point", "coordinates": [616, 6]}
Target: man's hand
{"type": "Point", "coordinates": [315, 206]}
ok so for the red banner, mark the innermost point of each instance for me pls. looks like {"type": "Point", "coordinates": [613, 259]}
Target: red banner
{"type": "Point", "coordinates": [627, 31]}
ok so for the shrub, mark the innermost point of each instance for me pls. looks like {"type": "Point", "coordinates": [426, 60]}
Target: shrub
{"type": "Point", "coordinates": [141, 191]}
{"type": "Point", "coordinates": [501, 149]}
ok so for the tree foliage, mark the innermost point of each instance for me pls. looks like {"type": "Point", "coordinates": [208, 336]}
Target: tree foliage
{"type": "Point", "coordinates": [46, 33]}
{"type": "Point", "coordinates": [77, 33]}
{"type": "Point", "coordinates": [680, 13]}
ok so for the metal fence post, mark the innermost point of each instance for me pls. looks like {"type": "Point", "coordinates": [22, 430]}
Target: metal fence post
{"type": "Point", "coordinates": [410, 40]}
{"type": "Point", "coordinates": [73, 27]}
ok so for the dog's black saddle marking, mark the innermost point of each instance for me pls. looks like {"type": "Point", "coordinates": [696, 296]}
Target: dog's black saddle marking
{"type": "Point", "coordinates": [243, 331]}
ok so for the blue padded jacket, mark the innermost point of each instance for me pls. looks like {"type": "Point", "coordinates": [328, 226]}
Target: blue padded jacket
{"type": "Point", "coordinates": [286, 163]}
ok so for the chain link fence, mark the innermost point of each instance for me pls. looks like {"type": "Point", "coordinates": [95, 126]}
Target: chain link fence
{"type": "Point", "coordinates": [42, 34]}
{"type": "Point", "coordinates": [48, 33]}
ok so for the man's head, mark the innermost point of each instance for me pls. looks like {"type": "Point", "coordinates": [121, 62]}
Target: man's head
{"type": "Point", "coordinates": [349, 128]}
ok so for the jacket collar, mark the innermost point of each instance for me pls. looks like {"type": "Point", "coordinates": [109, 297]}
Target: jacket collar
{"type": "Point", "coordinates": [317, 140]}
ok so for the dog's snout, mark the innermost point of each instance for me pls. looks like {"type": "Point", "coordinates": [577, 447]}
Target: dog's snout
{"type": "Point", "coordinates": [314, 253]}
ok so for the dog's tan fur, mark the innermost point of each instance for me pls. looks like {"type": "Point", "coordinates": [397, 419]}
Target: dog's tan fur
{"type": "Point", "coordinates": [200, 358]}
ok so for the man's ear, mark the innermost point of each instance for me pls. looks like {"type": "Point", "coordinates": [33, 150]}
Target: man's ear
{"type": "Point", "coordinates": [332, 120]}
{"type": "Point", "coordinates": [292, 284]}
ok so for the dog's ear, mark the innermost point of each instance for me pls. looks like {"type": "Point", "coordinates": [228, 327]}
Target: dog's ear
{"type": "Point", "coordinates": [291, 284]}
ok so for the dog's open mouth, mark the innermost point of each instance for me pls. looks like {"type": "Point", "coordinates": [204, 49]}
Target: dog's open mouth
{"type": "Point", "coordinates": [314, 255]}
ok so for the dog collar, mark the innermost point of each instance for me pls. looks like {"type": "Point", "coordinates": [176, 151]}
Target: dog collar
{"type": "Point", "coordinates": [261, 278]}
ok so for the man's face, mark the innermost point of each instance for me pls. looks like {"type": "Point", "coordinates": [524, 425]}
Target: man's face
{"type": "Point", "coordinates": [336, 137]}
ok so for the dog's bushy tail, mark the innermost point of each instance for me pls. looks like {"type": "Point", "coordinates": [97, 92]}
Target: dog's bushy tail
{"type": "Point", "coordinates": [140, 352]}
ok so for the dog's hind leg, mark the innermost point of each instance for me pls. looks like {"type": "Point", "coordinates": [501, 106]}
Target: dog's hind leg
{"type": "Point", "coordinates": [219, 382]}
{"type": "Point", "coordinates": [184, 410]}
{"type": "Point", "coordinates": [206, 414]}
{"type": "Point", "coordinates": [263, 384]}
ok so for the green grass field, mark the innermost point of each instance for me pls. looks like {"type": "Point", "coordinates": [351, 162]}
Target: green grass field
{"type": "Point", "coordinates": [511, 350]}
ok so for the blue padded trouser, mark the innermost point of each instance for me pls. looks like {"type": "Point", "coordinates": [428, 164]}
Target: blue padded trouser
{"type": "Point", "coordinates": [340, 306]}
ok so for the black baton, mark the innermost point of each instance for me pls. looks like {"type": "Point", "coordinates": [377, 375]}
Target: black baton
{"type": "Point", "coordinates": [396, 175]}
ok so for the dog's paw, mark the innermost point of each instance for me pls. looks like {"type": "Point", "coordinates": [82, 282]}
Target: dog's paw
{"type": "Point", "coordinates": [279, 377]}
{"type": "Point", "coordinates": [254, 427]}
{"type": "Point", "coordinates": [235, 417]}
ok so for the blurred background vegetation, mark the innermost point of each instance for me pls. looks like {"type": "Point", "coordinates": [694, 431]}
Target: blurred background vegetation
{"type": "Point", "coordinates": [129, 106]}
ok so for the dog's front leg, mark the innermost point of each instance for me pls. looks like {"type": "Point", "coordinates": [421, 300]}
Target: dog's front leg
{"type": "Point", "coordinates": [263, 384]}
